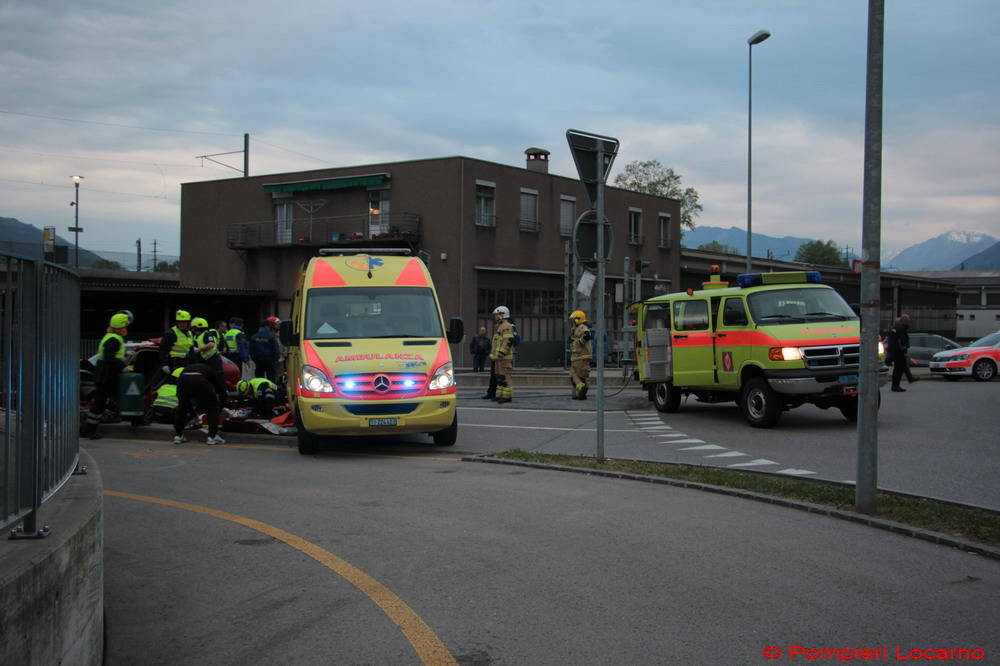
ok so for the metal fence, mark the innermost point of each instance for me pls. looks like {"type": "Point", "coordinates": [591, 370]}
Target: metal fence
{"type": "Point", "coordinates": [39, 386]}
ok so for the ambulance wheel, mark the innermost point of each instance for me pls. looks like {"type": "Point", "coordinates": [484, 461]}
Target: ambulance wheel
{"type": "Point", "coordinates": [308, 442]}
{"type": "Point", "coordinates": [665, 397]}
{"type": "Point", "coordinates": [984, 370]}
{"type": "Point", "coordinates": [760, 405]}
{"type": "Point", "coordinates": [448, 436]}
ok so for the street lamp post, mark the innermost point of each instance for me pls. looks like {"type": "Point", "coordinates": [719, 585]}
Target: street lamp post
{"type": "Point", "coordinates": [76, 228]}
{"type": "Point", "coordinates": [756, 38]}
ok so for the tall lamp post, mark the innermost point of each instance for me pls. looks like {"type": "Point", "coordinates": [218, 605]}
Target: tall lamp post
{"type": "Point", "coordinates": [755, 38]}
{"type": "Point", "coordinates": [76, 228]}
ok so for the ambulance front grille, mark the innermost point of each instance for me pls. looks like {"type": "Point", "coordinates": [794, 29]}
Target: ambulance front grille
{"type": "Point", "coordinates": [834, 356]}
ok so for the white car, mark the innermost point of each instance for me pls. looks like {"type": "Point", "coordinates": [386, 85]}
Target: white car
{"type": "Point", "coordinates": [979, 360]}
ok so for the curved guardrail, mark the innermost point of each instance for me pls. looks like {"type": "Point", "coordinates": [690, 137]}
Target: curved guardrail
{"type": "Point", "coordinates": [39, 386]}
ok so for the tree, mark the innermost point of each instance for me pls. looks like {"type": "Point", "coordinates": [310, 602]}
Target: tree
{"type": "Point", "coordinates": [820, 253]}
{"type": "Point", "coordinates": [716, 246]}
{"type": "Point", "coordinates": [651, 177]}
{"type": "Point", "coordinates": [107, 264]}
{"type": "Point", "coordinates": [165, 267]}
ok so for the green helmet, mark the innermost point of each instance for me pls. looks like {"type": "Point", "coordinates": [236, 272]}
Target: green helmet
{"type": "Point", "coordinates": [243, 386]}
{"type": "Point", "coordinates": [120, 320]}
{"type": "Point", "coordinates": [182, 315]}
{"type": "Point", "coordinates": [199, 322]}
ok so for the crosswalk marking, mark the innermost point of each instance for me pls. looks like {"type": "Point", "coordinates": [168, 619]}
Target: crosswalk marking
{"type": "Point", "coordinates": [728, 454]}
{"type": "Point", "coordinates": [689, 441]}
{"type": "Point", "coordinates": [754, 463]}
{"type": "Point", "coordinates": [703, 447]}
{"type": "Point", "coordinates": [795, 472]}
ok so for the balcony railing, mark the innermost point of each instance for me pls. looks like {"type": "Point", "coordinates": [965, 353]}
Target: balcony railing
{"type": "Point", "coordinates": [324, 231]}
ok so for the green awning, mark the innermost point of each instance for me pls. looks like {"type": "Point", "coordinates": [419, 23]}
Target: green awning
{"type": "Point", "coordinates": [328, 183]}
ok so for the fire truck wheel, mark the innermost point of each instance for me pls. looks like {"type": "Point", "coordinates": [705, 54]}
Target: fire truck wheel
{"type": "Point", "coordinates": [984, 370]}
{"type": "Point", "coordinates": [308, 442]}
{"type": "Point", "coordinates": [760, 405]}
{"type": "Point", "coordinates": [665, 397]}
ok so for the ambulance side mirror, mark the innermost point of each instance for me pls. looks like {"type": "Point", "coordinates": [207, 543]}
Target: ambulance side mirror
{"type": "Point", "coordinates": [288, 338]}
{"type": "Point", "coordinates": [456, 330]}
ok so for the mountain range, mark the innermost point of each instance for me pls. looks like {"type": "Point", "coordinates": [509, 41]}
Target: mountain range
{"type": "Point", "coordinates": [27, 239]}
{"type": "Point", "coordinates": [954, 250]}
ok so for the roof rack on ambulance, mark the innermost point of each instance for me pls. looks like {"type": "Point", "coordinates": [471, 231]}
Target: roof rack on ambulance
{"type": "Point", "coordinates": [332, 251]}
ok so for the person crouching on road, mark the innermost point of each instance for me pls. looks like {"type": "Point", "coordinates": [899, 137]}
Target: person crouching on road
{"type": "Point", "coordinates": [110, 363]}
{"type": "Point", "coordinates": [580, 353]}
{"type": "Point", "coordinates": [206, 350]}
{"type": "Point", "coordinates": [502, 354]}
{"type": "Point", "coordinates": [261, 393]}
{"type": "Point", "coordinates": [196, 388]}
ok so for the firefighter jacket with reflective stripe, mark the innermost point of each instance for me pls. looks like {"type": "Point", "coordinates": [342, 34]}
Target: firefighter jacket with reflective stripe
{"type": "Point", "coordinates": [580, 343]}
{"type": "Point", "coordinates": [236, 344]}
{"type": "Point", "coordinates": [182, 341]}
{"type": "Point", "coordinates": [261, 384]}
{"type": "Point", "coordinates": [166, 396]}
{"type": "Point", "coordinates": [503, 342]}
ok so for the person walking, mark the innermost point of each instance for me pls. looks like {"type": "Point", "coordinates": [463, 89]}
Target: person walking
{"type": "Point", "coordinates": [176, 342]}
{"type": "Point", "coordinates": [580, 353]}
{"type": "Point", "coordinates": [899, 344]}
{"type": "Point", "coordinates": [110, 363]}
{"type": "Point", "coordinates": [479, 347]}
{"type": "Point", "coordinates": [196, 393]}
{"type": "Point", "coordinates": [264, 351]}
{"type": "Point", "coordinates": [502, 354]}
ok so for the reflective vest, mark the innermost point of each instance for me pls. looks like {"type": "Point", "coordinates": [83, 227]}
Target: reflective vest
{"type": "Point", "coordinates": [260, 383]}
{"type": "Point", "coordinates": [166, 395]}
{"type": "Point", "coordinates": [183, 344]}
{"type": "Point", "coordinates": [503, 342]}
{"type": "Point", "coordinates": [232, 344]}
{"type": "Point", "coordinates": [200, 341]}
{"type": "Point", "coordinates": [580, 344]}
{"type": "Point", "coordinates": [120, 354]}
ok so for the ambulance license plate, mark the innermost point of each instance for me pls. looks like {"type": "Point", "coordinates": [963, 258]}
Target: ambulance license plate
{"type": "Point", "coordinates": [848, 379]}
{"type": "Point", "coordinates": [381, 422]}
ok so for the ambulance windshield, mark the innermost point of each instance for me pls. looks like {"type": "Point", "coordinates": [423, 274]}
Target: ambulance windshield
{"type": "Point", "coordinates": [372, 312]}
{"type": "Point", "coordinates": [798, 305]}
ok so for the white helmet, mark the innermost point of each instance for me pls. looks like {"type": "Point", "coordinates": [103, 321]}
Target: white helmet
{"type": "Point", "coordinates": [502, 311]}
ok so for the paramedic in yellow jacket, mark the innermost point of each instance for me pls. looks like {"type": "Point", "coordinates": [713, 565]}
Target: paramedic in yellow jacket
{"type": "Point", "coordinates": [502, 354]}
{"type": "Point", "coordinates": [580, 353]}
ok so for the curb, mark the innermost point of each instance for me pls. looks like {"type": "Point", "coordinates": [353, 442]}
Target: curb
{"type": "Point", "coordinates": [850, 516]}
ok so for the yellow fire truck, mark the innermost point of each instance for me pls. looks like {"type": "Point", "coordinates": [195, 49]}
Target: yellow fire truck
{"type": "Point", "coordinates": [773, 342]}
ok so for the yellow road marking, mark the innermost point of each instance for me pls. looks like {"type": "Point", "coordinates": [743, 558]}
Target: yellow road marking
{"type": "Point", "coordinates": [254, 447]}
{"type": "Point", "coordinates": [425, 642]}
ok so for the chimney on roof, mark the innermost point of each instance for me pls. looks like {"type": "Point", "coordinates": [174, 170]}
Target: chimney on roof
{"type": "Point", "coordinates": [537, 160]}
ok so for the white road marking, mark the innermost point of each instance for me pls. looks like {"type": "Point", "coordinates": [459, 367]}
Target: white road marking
{"type": "Point", "coordinates": [659, 427]}
{"type": "Point", "coordinates": [704, 447]}
{"type": "Point", "coordinates": [689, 441]}
{"type": "Point", "coordinates": [754, 463]}
{"type": "Point", "coordinates": [795, 472]}
{"type": "Point", "coordinates": [670, 434]}
{"type": "Point", "coordinates": [728, 454]}
{"type": "Point", "coordinates": [488, 425]}
{"type": "Point", "coordinates": [540, 411]}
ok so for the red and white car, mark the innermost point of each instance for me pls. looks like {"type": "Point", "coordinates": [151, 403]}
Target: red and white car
{"type": "Point", "coordinates": [979, 360]}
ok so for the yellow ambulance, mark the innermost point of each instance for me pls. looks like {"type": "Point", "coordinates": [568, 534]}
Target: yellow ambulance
{"type": "Point", "coordinates": [367, 349]}
{"type": "Point", "coordinates": [772, 342]}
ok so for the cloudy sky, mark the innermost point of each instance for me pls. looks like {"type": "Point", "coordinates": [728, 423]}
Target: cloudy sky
{"type": "Point", "coordinates": [127, 93]}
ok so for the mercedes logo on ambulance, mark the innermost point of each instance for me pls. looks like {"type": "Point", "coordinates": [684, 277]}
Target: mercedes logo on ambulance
{"type": "Point", "coordinates": [382, 384]}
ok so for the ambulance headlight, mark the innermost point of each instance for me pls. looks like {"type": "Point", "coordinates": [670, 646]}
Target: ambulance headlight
{"type": "Point", "coordinates": [444, 377]}
{"type": "Point", "coordinates": [785, 354]}
{"type": "Point", "coordinates": [314, 379]}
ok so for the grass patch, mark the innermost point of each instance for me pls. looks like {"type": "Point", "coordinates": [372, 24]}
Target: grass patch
{"type": "Point", "coordinates": [972, 524]}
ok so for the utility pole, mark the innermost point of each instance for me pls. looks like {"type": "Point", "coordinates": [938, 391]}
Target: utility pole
{"type": "Point", "coordinates": [138, 254]}
{"type": "Point", "coordinates": [154, 254]}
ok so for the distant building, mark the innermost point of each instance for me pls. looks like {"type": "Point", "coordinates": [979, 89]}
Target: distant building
{"type": "Point", "coordinates": [977, 306]}
{"type": "Point", "coordinates": [491, 234]}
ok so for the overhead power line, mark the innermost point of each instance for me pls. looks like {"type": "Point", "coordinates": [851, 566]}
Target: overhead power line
{"type": "Point", "coordinates": [40, 183]}
{"type": "Point", "coordinates": [97, 122]}
{"type": "Point", "coordinates": [98, 159]}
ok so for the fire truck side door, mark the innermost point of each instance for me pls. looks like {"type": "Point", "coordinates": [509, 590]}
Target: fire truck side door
{"type": "Point", "coordinates": [691, 338]}
{"type": "Point", "coordinates": [731, 341]}
{"type": "Point", "coordinates": [655, 353]}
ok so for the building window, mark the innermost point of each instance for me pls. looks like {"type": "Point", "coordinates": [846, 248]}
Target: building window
{"type": "Point", "coordinates": [663, 230]}
{"type": "Point", "coordinates": [486, 193]}
{"type": "Point", "coordinates": [972, 317]}
{"type": "Point", "coordinates": [635, 226]}
{"type": "Point", "coordinates": [529, 209]}
{"type": "Point", "coordinates": [567, 214]}
{"type": "Point", "coordinates": [961, 317]}
{"type": "Point", "coordinates": [378, 213]}
{"type": "Point", "coordinates": [970, 298]}
{"type": "Point", "coordinates": [284, 216]}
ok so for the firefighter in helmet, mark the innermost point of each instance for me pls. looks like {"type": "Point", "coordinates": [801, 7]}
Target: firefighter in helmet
{"type": "Point", "coordinates": [580, 353]}
{"type": "Point", "coordinates": [502, 353]}
{"type": "Point", "coordinates": [110, 363]}
{"type": "Point", "coordinates": [176, 343]}
{"type": "Point", "coordinates": [261, 393]}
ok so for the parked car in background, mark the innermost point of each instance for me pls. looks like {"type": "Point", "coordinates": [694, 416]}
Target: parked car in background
{"type": "Point", "coordinates": [979, 360]}
{"type": "Point", "coordinates": [924, 345]}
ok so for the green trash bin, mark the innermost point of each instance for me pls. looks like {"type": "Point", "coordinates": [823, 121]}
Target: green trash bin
{"type": "Point", "coordinates": [131, 390]}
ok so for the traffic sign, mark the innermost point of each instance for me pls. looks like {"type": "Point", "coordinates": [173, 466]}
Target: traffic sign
{"type": "Point", "coordinates": [585, 237]}
{"type": "Point", "coordinates": [585, 148]}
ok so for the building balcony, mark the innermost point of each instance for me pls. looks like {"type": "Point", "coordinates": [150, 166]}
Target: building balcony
{"type": "Point", "coordinates": [324, 231]}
